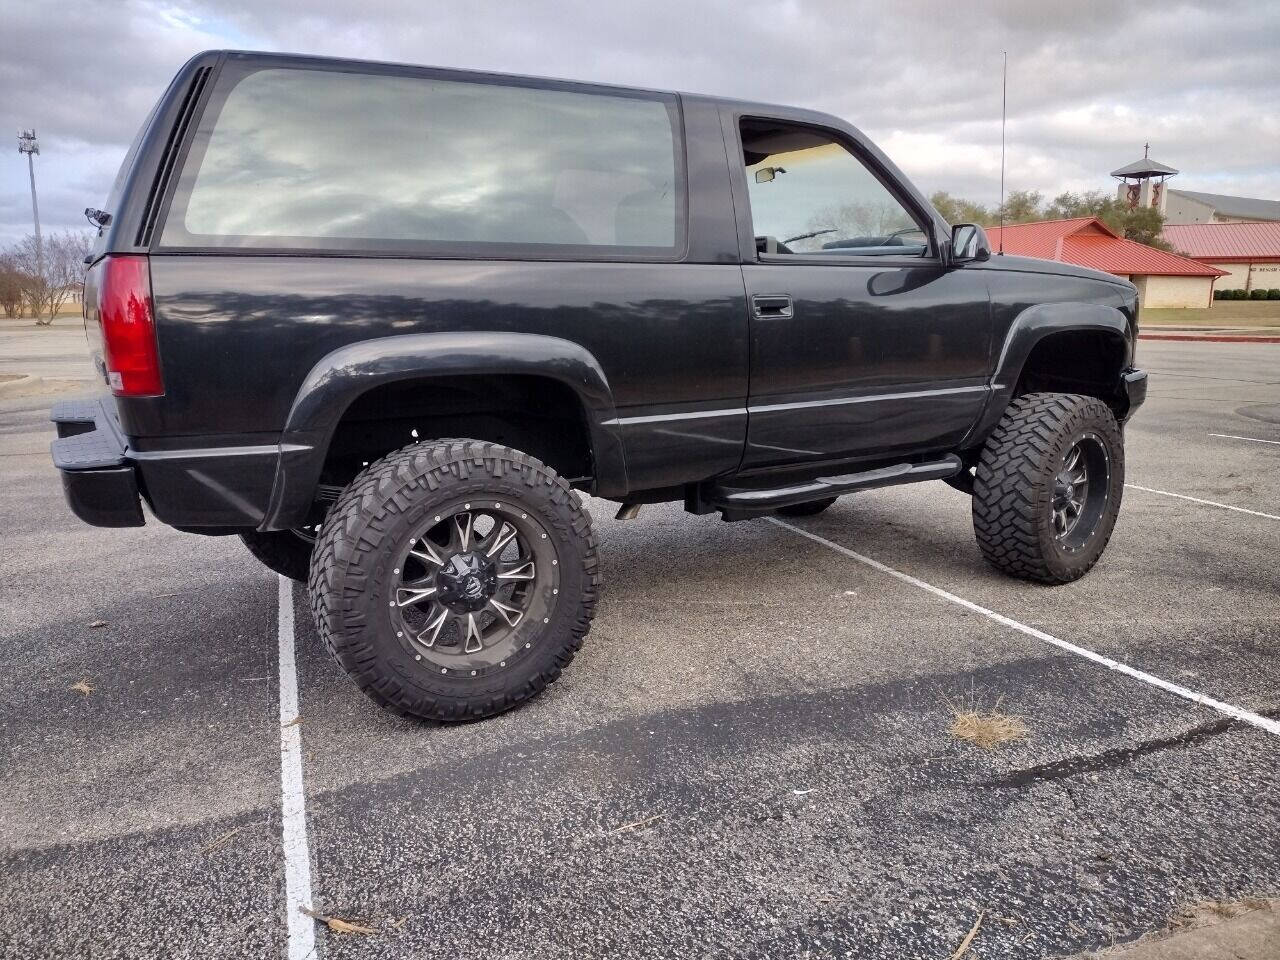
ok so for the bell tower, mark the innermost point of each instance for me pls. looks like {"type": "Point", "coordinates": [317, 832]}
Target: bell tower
{"type": "Point", "coordinates": [1142, 182]}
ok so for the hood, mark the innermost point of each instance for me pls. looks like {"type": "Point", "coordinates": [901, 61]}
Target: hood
{"type": "Point", "coordinates": [1054, 267]}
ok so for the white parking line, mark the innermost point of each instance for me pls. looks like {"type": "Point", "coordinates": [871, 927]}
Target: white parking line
{"type": "Point", "coordinates": [1232, 436]}
{"type": "Point", "coordinates": [1207, 503]}
{"type": "Point", "coordinates": [293, 798]}
{"type": "Point", "coordinates": [1236, 713]}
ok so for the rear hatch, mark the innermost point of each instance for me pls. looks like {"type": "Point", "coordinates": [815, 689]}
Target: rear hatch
{"type": "Point", "coordinates": [92, 319]}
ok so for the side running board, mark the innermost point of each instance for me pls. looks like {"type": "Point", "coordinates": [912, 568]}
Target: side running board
{"type": "Point", "coordinates": [752, 500]}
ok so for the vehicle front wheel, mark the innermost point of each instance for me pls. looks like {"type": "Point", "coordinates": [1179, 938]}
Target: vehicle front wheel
{"type": "Point", "coordinates": [453, 580]}
{"type": "Point", "coordinates": [1047, 488]}
{"type": "Point", "coordinates": [286, 552]}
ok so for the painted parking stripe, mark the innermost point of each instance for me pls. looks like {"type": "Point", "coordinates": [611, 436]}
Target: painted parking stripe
{"type": "Point", "coordinates": [293, 799]}
{"type": "Point", "coordinates": [1207, 503]}
{"type": "Point", "coordinates": [1232, 436]}
{"type": "Point", "coordinates": [1236, 713]}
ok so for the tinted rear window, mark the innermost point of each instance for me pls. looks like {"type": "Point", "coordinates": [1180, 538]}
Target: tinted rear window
{"type": "Point", "coordinates": [325, 159]}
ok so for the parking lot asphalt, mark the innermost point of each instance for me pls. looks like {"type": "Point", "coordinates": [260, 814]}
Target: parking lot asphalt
{"type": "Point", "coordinates": [750, 756]}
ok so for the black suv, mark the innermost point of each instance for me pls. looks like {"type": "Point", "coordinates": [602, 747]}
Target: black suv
{"type": "Point", "coordinates": [383, 321]}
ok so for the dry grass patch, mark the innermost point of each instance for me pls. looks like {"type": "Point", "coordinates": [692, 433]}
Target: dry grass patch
{"type": "Point", "coordinates": [1212, 911]}
{"type": "Point", "coordinates": [987, 729]}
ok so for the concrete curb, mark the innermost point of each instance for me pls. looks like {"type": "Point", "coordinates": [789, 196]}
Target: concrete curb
{"type": "Point", "coordinates": [1193, 338]}
{"type": "Point", "coordinates": [13, 386]}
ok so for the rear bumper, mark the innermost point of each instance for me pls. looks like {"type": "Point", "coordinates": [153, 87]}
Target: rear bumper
{"type": "Point", "coordinates": [1134, 384]}
{"type": "Point", "coordinates": [208, 484]}
{"type": "Point", "coordinates": [99, 482]}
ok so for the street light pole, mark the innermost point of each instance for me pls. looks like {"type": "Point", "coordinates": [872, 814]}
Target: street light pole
{"type": "Point", "coordinates": [28, 144]}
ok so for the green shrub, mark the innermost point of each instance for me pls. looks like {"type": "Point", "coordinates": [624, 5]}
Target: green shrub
{"type": "Point", "coordinates": [1273, 293]}
{"type": "Point", "coordinates": [1258, 294]}
{"type": "Point", "coordinates": [1218, 294]}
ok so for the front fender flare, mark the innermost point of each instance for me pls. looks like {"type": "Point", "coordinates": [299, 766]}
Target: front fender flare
{"type": "Point", "coordinates": [1030, 327]}
{"type": "Point", "coordinates": [338, 378]}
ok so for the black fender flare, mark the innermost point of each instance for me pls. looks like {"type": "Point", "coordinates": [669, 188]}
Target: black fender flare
{"type": "Point", "coordinates": [343, 375]}
{"type": "Point", "coordinates": [1027, 330]}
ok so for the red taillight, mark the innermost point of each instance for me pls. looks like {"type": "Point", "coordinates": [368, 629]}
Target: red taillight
{"type": "Point", "coordinates": [129, 328]}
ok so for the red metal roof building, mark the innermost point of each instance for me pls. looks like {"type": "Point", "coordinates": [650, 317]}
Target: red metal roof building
{"type": "Point", "coordinates": [1248, 252]}
{"type": "Point", "coordinates": [1163, 279]}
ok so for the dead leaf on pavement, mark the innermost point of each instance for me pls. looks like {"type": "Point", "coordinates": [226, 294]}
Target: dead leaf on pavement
{"type": "Point", "coordinates": [292, 723]}
{"type": "Point", "coordinates": [973, 932]}
{"type": "Point", "coordinates": [82, 687]}
{"type": "Point", "coordinates": [209, 848]}
{"type": "Point", "coordinates": [98, 623]}
{"type": "Point", "coordinates": [336, 924]}
{"type": "Point", "coordinates": [636, 824]}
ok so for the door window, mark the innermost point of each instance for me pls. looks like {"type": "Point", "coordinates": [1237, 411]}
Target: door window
{"type": "Point", "coordinates": [810, 195]}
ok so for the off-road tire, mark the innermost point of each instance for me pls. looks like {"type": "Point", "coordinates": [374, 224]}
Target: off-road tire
{"type": "Point", "coordinates": [352, 567]}
{"type": "Point", "coordinates": [1014, 486]}
{"type": "Point", "coordinates": [810, 509]}
{"type": "Point", "coordinates": [282, 551]}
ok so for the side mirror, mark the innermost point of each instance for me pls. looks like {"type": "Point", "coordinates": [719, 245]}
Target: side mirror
{"type": "Point", "coordinates": [969, 243]}
{"type": "Point", "coordinates": [765, 174]}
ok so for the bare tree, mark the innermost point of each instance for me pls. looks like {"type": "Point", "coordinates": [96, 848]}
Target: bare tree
{"type": "Point", "coordinates": [869, 219]}
{"type": "Point", "coordinates": [11, 286]}
{"type": "Point", "coordinates": [52, 272]}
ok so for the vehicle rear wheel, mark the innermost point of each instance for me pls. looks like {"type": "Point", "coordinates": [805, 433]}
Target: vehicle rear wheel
{"type": "Point", "coordinates": [812, 508]}
{"type": "Point", "coordinates": [1048, 486]}
{"type": "Point", "coordinates": [453, 580]}
{"type": "Point", "coordinates": [287, 552]}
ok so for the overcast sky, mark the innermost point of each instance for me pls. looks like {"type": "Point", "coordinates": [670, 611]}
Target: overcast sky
{"type": "Point", "coordinates": [1088, 82]}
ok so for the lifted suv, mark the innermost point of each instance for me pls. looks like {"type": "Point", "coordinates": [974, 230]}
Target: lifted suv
{"type": "Point", "coordinates": [383, 321]}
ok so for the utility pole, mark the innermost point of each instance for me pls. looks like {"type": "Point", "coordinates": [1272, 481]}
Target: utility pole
{"type": "Point", "coordinates": [28, 144]}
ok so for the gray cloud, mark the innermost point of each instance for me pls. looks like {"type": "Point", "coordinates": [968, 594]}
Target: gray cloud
{"type": "Point", "coordinates": [1089, 82]}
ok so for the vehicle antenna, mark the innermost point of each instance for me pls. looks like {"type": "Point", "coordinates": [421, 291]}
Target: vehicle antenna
{"type": "Point", "coordinates": [1004, 114]}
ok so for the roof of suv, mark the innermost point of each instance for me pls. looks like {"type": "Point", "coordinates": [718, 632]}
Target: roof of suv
{"type": "Point", "coordinates": [302, 59]}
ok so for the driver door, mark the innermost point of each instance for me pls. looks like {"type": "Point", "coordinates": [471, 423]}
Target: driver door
{"type": "Point", "coordinates": [863, 345]}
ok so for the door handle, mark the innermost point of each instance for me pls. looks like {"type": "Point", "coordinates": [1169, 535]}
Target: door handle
{"type": "Point", "coordinates": [773, 306]}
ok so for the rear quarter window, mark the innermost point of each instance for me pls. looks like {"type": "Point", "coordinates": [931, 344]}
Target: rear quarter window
{"type": "Point", "coordinates": [324, 159]}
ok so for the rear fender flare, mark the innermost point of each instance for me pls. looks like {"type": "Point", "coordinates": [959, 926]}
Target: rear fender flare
{"type": "Point", "coordinates": [340, 377]}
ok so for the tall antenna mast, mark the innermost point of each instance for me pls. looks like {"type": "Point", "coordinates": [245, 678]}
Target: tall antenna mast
{"type": "Point", "coordinates": [1004, 113]}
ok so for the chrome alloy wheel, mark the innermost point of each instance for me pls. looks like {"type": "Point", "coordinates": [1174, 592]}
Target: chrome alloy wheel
{"type": "Point", "coordinates": [474, 588]}
{"type": "Point", "coordinates": [1080, 491]}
